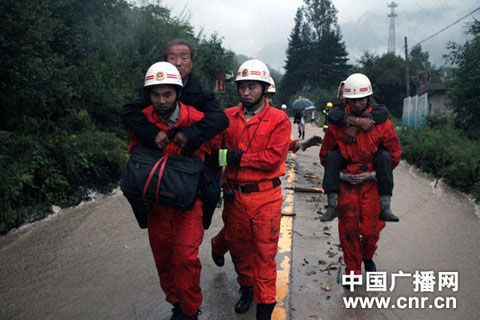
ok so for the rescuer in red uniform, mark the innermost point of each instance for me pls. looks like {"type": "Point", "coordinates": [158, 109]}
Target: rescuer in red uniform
{"type": "Point", "coordinates": [253, 150]}
{"type": "Point", "coordinates": [358, 200]}
{"type": "Point", "coordinates": [175, 235]}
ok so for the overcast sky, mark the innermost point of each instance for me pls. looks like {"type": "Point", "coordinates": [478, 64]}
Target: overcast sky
{"type": "Point", "coordinates": [261, 28]}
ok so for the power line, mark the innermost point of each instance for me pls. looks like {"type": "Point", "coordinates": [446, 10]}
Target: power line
{"type": "Point", "coordinates": [448, 9]}
{"type": "Point", "coordinates": [428, 13]}
{"type": "Point", "coordinates": [453, 23]}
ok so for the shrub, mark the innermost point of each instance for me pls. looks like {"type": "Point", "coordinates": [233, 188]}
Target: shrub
{"type": "Point", "coordinates": [37, 173]}
{"type": "Point", "coordinates": [92, 160]}
{"type": "Point", "coordinates": [30, 179]}
{"type": "Point", "coordinates": [446, 153]}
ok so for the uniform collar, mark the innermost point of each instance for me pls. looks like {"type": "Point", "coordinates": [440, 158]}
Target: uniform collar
{"type": "Point", "coordinates": [239, 112]}
{"type": "Point", "coordinates": [250, 114]}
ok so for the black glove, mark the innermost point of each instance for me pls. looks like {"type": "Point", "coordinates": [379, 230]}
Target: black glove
{"type": "Point", "coordinates": [228, 157]}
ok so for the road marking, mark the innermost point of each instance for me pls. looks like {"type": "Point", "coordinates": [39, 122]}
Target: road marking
{"type": "Point", "coordinates": [285, 250]}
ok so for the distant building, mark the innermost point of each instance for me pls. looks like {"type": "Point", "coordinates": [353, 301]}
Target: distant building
{"type": "Point", "coordinates": [429, 100]}
{"type": "Point", "coordinates": [437, 102]}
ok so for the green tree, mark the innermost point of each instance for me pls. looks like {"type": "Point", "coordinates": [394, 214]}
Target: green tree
{"type": "Point", "coordinates": [213, 60]}
{"type": "Point", "coordinates": [293, 81]}
{"type": "Point", "coordinates": [386, 73]}
{"type": "Point", "coordinates": [316, 54]}
{"type": "Point", "coordinates": [464, 85]}
{"type": "Point", "coordinates": [328, 55]}
{"type": "Point", "coordinates": [421, 69]}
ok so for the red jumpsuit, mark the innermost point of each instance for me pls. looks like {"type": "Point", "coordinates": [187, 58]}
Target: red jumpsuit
{"type": "Point", "coordinates": [220, 245]}
{"type": "Point", "coordinates": [359, 225]}
{"type": "Point", "coordinates": [252, 219]}
{"type": "Point", "coordinates": [175, 235]}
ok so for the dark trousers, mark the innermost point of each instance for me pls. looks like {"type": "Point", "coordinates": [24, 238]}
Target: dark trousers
{"type": "Point", "coordinates": [334, 163]}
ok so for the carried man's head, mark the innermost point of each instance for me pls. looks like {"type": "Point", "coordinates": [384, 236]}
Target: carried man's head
{"type": "Point", "coordinates": [357, 89]}
{"type": "Point", "coordinates": [181, 54]}
{"type": "Point", "coordinates": [163, 84]}
{"type": "Point", "coordinates": [253, 80]}
{"type": "Point", "coordinates": [271, 90]}
{"type": "Point", "coordinates": [340, 95]}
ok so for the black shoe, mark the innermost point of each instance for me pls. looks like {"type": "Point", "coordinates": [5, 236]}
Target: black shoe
{"type": "Point", "coordinates": [369, 266]}
{"type": "Point", "coordinates": [245, 301]}
{"type": "Point", "coordinates": [387, 215]}
{"type": "Point", "coordinates": [264, 311]}
{"type": "Point", "coordinates": [219, 260]}
{"type": "Point", "coordinates": [183, 316]}
{"type": "Point", "coordinates": [176, 311]}
{"type": "Point", "coordinates": [330, 214]}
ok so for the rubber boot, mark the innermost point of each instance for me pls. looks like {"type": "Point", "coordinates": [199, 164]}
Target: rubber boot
{"type": "Point", "coordinates": [245, 300]}
{"type": "Point", "coordinates": [369, 266]}
{"type": "Point", "coordinates": [176, 311]}
{"type": "Point", "coordinates": [264, 311]}
{"type": "Point", "coordinates": [331, 212]}
{"type": "Point", "coordinates": [218, 260]}
{"type": "Point", "coordinates": [386, 213]}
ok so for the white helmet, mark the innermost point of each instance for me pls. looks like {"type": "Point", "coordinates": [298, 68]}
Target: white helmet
{"type": "Point", "coordinates": [162, 73]}
{"type": "Point", "coordinates": [253, 70]}
{"type": "Point", "coordinates": [284, 106]}
{"type": "Point", "coordinates": [271, 87]}
{"type": "Point", "coordinates": [357, 86]}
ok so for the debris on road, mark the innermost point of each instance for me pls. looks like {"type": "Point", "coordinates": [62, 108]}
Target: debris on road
{"type": "Point", "coordinates": [306, 189]}
{"type": "Point", "coordinates": [325, 287]}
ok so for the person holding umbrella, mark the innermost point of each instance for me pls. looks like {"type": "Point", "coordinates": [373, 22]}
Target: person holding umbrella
{"type": "Point", "coordinates": [299, 107]}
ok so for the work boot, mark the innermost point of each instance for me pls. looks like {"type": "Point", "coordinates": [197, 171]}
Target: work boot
{"type": "Point", "coordinates": [218, 260]}
{"type": "Point", "coordinates": [264, 311]}
{"type": "Point", "coordinates": [386, 213]}
{"type": "Point", "coordinates": [331, 212]}
{"type": "Point", "coordinates": [369, 266]}
{"type": "Point", "coordinates": [245, 301]}
{"type": "Point", "coordinates": [183, 316]}
{"type": "Point", "coordinates": [176, 311]}
{"type": "Point", "coordinates": [329, 215]}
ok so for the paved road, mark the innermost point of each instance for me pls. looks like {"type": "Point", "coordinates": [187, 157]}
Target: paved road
{"type": "Point", "coordinates": [93, 262]}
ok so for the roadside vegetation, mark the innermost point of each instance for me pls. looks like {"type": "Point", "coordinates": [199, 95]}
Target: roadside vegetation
{"type": "Point", "coordinates": [445, 152]}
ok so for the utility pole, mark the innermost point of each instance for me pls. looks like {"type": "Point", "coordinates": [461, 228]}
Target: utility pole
{"type": "Point", "coordinates": [407, 71]}
{"type": "Point", "coordinates": [391, 34]}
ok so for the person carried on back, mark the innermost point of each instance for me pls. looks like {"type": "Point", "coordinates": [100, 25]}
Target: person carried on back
{"type": "Point", "coordinates": [359, 224]}
{"type": "Point", "coordinates": [334, 161]}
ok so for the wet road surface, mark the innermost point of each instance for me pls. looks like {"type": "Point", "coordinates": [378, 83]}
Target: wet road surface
{"type": "Point", "coordinates": [93, 262]}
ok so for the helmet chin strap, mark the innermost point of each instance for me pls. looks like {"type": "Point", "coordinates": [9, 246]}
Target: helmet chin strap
{"type": "Point", "coordinates": [167, 111]}
{"type": "Point", "coordinates": [164, 112]}
{"type": "Point", "coordinates": [250, 105]}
